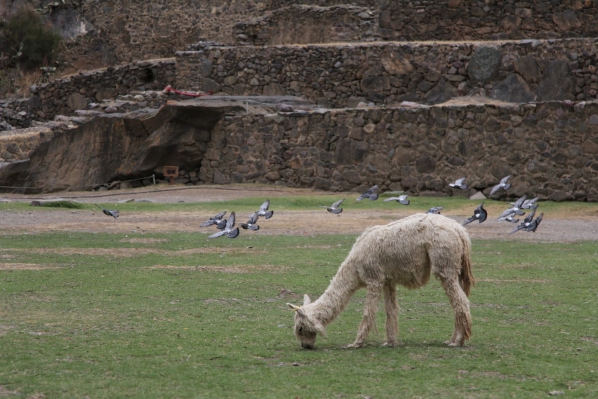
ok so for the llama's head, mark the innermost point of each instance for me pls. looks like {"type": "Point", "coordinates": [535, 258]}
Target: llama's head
{"type": "Point", "coordinates": [306, 325]}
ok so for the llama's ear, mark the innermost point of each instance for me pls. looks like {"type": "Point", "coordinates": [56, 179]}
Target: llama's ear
{"type": "Point", "coordinates": [320, 329]}
{"type": "Point", "coordinates": [306, 300]}
{"type": "Point", "coordinates": [293, 307]}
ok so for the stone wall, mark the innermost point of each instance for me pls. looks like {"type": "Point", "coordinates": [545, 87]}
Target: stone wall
{"type": "Point", "coordinates": [76, 92]}
{"type": "Point", "coordinates": [550, 149]}
{"type": "Point", "coordinates": [17, 145]}
{"type": "Point", "coordinates": [387, 73]}
{"type": "Point", "coordinates": [309, 24]}
{"type": "Point", "coordinates": [489, 20]}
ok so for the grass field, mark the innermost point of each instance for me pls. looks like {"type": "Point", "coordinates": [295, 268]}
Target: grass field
{"type": "Point", "coordinates": [174, 315]}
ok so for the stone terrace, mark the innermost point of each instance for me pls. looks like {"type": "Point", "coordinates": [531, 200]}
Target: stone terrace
{"type": "Point", "coordinates": [342, 75]}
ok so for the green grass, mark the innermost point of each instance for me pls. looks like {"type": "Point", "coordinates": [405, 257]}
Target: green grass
{"type": "Point", "coordinates": [103, 316]}
{"type": "Point", "coordinates": [452, 205]}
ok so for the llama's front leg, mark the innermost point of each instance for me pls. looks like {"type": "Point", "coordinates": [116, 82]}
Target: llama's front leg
{"type": "Point", "coordinates": [460, 305]}
{"type": "Point", "coordinates": [392, 311]}
{"type": "Point", "coordinates": [369, 316]}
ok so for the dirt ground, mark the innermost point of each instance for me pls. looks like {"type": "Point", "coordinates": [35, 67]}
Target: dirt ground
{"type": "Point", "coordinates": [554, 228]}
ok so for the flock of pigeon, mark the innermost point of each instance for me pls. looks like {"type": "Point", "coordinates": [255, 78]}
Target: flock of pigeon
{"type": "Point", "coordinates": [227, 227]}
{"type": "Point", "coordinates": [529, 223]}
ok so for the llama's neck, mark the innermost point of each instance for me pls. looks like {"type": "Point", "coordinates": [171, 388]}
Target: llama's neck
{"type": "Point", "coordinates": [332, 302]}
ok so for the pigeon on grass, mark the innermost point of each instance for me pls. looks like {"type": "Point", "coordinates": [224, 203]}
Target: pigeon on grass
{"type": "Point", "coordinates": [334, 208]}
{"type": "Point", "coordinates": [479, 214]}
{"type": "Point", "coordinates": [370, 194]}
{"type": "Point", "coordinates": [459, 183]}
{"type": "Point", "coordinates": [251, 223]}
{"type": "Point", "coordinates": [401, 199]}
{"type": "Point", "coordinates": [229, 230]}
{"type": "Point", "coordinates": [109, 212]}
{"type": "Point", "coordinates": [214, 220]}
{"type": "Point", "coordinates": [264, 212]}
{"type": "Point", "coordinates": [503, 184]}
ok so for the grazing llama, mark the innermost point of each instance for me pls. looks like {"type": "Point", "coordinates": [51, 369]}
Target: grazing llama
{"type": "Point", "coordinates": [403, 252]}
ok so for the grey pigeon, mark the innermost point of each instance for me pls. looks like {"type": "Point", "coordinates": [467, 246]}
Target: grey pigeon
{"type": "Point", "coordinates": [334, 208]}
{"type": "Point", "coordinates": [503, 184]}
{"type": "Point", "coordinates": [530, 204]}
{"type": "Point", "coordinates": [214, 220]}
{"type": "Point", "coordinates": [370, 194]}
{"type": "Point", "coordinates": [109, 212]}
{"type": "Point", "coordinates": [402, 199]}
{"type": "Point", "coordinates": [509, 218]}
{"type": "Point", "coordinates": [264, 212]}
{"type": "Point", "coordinates": [251, 223]}
{"type": "Point", "coordinates": [229, 230]}
{"type": "Point", "coordinates": [528, 222]}
{"type": "Point", "coordinates": [435, 210]}
{"type": "Point", "coordinates": [515, 209]}
{"type": "Point", "coordinates": [459, 183]}
{"type": "Point", "coordinates": [479, 214]}
{"type": "Point", "coordinates": [535, 223]}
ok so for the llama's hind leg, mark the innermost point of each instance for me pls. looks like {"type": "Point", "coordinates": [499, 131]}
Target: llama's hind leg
{"type": "Point", "coordinates": [369, 316]}
{"type": "Point", "coordinates": [460, 305]}
{"type": "Point", "coordinates": [392, 311]}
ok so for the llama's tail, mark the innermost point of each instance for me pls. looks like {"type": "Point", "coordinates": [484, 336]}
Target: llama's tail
{"type": "Point", "coordinates": [466, 279]}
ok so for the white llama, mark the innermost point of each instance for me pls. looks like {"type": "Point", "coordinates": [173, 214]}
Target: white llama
{"type": "Point", "coordinates": [403, 252]}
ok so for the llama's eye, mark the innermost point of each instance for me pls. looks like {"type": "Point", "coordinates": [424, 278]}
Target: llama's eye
{"type": "Point", "coordinates": [300, 329]}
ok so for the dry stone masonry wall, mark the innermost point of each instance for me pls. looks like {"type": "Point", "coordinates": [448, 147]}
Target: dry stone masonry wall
{"type": "Point", "coordinates": [309, 24]}
{"type": "Point", "coordinates": [487, 20]}
{"type": "Point", "coordinates": [387, 73]}
{"type": "Point", "coordinates": [76, 92]}
{"type": "Point", "coordinates": [549, 148]}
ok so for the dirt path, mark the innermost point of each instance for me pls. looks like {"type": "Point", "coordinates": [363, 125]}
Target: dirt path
{"type": "Point", "coordinates": [554, 228]}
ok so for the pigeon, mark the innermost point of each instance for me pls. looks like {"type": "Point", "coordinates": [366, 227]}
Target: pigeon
{"type": "Point", "coordinates": [370, 194]}
{"type": "Point", "coordinates": [251, 223]}
{"type": "Point", "coordinates": [509, 218]}
{"type": "Point", "coordinates": [503, 184]}
{"type": "Point", "coordinates": [264, 212]}
{"type": "Point", "coordinates": [214, 220]}
{"type": "Point", "coordinates": [459, 183]}
{"type": "Point", "coordinates": [534, 224]}
{"type": "Point", "coordinates": [402, 199]}
{"type": "Point", "coordinates": [515, 209]}
{"type": "Point", "coordinates": [479, 214]}
{"type": "Point", "coordinates": [334, 208]}
{"type": "Point", "coordinates": [528, 222]}
{"type": "Point", "coordinates": [228, 230]}
{"type": "Point", "coordinates": [530, 204]}
{"type": "Point", "coordinates": [435, 210]}
{"type": "Point", "coordinates": [109, 212]}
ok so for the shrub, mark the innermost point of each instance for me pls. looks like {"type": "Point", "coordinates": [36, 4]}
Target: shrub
{"type": "Point", "coordinates": [32, 42]}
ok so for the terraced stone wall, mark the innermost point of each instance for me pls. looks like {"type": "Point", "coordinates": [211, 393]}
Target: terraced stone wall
{"type": "Point", "coordinates": [309, 24]}
{"type": "Point", "coordinates": [64, 96]}
{"type": "Point", "coordinates": [489, 20]}
{"type": "Point", "coordinates": [550, 148]}
{"type": "Point", "coordinates": [386, 73]}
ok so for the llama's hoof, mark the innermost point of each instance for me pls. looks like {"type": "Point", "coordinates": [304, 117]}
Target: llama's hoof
{"type": "Point", "coordinates": [454, 344]}
{"type": "Point", "coordinates": [390, 344]}
{"type": "Point", "coordinates": [353, 346]}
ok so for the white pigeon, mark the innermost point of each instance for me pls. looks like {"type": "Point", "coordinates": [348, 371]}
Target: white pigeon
{"type": "Point", "coordinates": [503, 184]}
{"type": "Point", "coordinates": [459, 183]}
{"type": "Point", "coordinates": [402, 199]}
